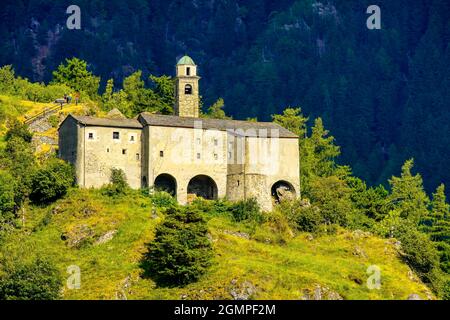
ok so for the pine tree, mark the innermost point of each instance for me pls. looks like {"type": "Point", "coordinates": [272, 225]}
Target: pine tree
{"type": "Point", "coordinates": [437, 225]}
{"type": "Point", "coordinates": [317, 154]}
{"type": "Point", "coordinates": [293, 120]}
{"type": "Point", "coordinates": [408, 194]}
{"type": "Point", "coordinates": [215, 111]}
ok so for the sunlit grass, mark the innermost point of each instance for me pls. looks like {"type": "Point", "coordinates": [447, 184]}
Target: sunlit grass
{"type": "Point", "coordinates": [278, 271]}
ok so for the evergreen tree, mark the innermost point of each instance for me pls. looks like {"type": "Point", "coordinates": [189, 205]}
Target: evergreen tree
{"type": "Point", "coordinates": [437, 225]}
{"type": "Point", "coordinates": [215, 111]}
{"type": "Point", "coordinates": [74, 74]}
{"type": "Point", "coordinates": [408, 194]}
{"type": "Point", "coordinates": [317, 155]}
{"type": "Point", "coordinates": [181, 251]}
{"type": "Point", "coordinates": [293, 120]}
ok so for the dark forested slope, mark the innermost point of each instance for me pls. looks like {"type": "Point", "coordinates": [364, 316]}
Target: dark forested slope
{"type": "Point", "coordinates": [383, 93]}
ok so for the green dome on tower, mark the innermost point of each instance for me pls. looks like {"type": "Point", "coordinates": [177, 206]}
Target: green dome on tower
{"type": "Point", "coordinates": [186, 60]}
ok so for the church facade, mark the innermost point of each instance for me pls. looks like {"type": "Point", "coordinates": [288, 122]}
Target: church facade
{"type": "Point", "coordinates": [184, 154]}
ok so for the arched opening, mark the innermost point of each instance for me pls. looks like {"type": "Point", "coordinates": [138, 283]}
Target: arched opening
{"type": "Point", "coordinates": [165, 182]}
{"type": "Point", "coordinates": [202, 186]}
{"type": "Point", "coordinates": [188, 89]}
{"type": "Point", "coordinates": [282, 190]}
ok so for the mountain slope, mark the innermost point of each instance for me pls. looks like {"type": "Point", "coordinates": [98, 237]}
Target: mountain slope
{"type": "Point", "coordinates": [105, 237]}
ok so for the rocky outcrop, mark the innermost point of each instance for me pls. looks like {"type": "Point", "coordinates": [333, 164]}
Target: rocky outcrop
{"type": "Point", "coordinates": [244, 291]}
{"type": "Point", "coordinates": [320, 292]}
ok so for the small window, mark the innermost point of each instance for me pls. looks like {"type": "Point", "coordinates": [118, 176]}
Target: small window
{"type": "Point", "coordinates": [161, 153]}
{"type": "Point", "coordinates": [116, 135]}
{"type": "Point", "coordinates": [238, 182]}
{"type": "Point", "coordinates": [229, 155]}
{"type": "Point", "coordinates": [91, 136]}
{"type": "Point", "coordinates": [137, 156]}
{"type": "Point", "coordinates": [188, 71]}
{"type": "Point", "coordinates": [124, 151]}
{"type": "Point", "coordinates": [216, 156]}
{"type": "Point", "coordinates": [198, 155]}
{"type": "Point", "coordinates": [216, 142]}
{"type": "Point", "coordinates": [131, 138]}
{"type": "Point", "coordinates": [188, 89]}
{"type": "Point", "coordinates": [107, 149]}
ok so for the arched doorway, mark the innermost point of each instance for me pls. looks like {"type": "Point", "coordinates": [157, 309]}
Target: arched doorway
{"type": "Point", "coordinates": [202, 186]}
{"type": "Point", "coordinates": [165, 182]}
{"type": "Point", "coordinates": [282, 190]}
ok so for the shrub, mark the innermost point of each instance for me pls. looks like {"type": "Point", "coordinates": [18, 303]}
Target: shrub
{"type": "Point", "coordinates": [419, 252]}
{"type": "Point", "coordinates": [301, 215]}
{"type": "Point", "coordinates": [6, 192]}
{"type": "Point", "coordinates": [162, 199]}
{"type": "Point", "coordinates": [332, 196]}
{"type": "Point", "coordinates": [181, 252]}
{"type": "Point", "coordinates": [247, 210]}
{"type": "Point", "coordinates": [210, 208]}
{"type": "Point", "coordinates": [19, 130]}
{"type": "Point", "coordinates": [38, 280]}
{"type": "Point", "coordinates": [446, 290]}
{"type": "Point", "coordinates": [52, 181]}
{"type": "Point", "coordinates": [276, 229]}
{"type": "Point", "coordinates": [53, 120]}
{"type": "Point", "coordinates": [118, 183]}
{"type": "Point", "coordinates": [7, 195]}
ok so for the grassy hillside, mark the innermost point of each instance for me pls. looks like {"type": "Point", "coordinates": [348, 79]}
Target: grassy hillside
{"type": "Point", "coordinates": [249, 260]}
{"type": "Point", "coordinates": [45, 130]}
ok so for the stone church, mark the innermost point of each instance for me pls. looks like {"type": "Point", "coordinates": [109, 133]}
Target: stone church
{"type": "Point", "coordinates": [184, 154]}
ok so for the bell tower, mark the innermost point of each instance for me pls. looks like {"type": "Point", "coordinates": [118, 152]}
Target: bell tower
{"type": "Point", "coordinates": [186, 88]}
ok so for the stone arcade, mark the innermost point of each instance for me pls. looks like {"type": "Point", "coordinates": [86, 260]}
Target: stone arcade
{"type": "Point", "coordinates": [183, 154]}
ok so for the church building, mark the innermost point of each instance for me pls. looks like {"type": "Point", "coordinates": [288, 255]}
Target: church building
{"type": "Point", "coordinates": [184, 154]}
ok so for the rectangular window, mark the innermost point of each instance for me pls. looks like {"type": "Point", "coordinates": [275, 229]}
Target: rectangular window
{"type": "Point", "coordinates": [161, 153]}
{"type": "Point", "coordinates": [216, 142]}
{"type": "Point", "coordinates": [91, 136]}
{"type": "Point", "coordinates": [107, 149]}
{"type": "Point", "coordinates": [188, 71]}
{"type": "Point", "coordinates": [216, 156]}
{"type": "Point", "coordinates": [131, 138]}
{"type": "Point", "coordinates": [124, 151]}
{"type": "Point", "coordinates": [198, 155]}
{"type": "Point", "coordinates": [116, 135]}
{"type": "Point", "coordinates": [137, 156]}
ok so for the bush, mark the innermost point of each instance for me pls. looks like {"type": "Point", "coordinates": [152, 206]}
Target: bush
{"type": "Point", "coordinates": [7, 195]}
{"type": "Point", "coordinates": [446, 291]}
{"type": "Point", "coordinates": [301, 215]}
{"type": "Point", "coordinates": [332, 196]}
{"type": "Point", "coordinates": [118, 183]}
{"type": "Point", "coordinates": [162, 199]}
{"type": "Point", "coordinates": [181, 252]}
{"type": "Point", "coordinates": [52, 181]}
{"type": "Point", "coordinates": [419, 252]}
{"type": "Point", "coordinates": [211, 208]}
{"type": "Point", "coordinates": [53, 120]}
{"type": "Point", "coordinates": [246, 210]}
{"type": "Point", "coordinates": [19, 130]}
{"type": "Point", "coordinates": [39, 280]}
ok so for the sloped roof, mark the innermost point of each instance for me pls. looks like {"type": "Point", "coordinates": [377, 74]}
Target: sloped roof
{"type": "Point", "coordinates": [246, 128]}
{"type": "Point", "coordinates": [105, 122]}
{"type": "Point", "coordinates": [115, 114]}
{"type": "Point", "coordinates": [186, 60]}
